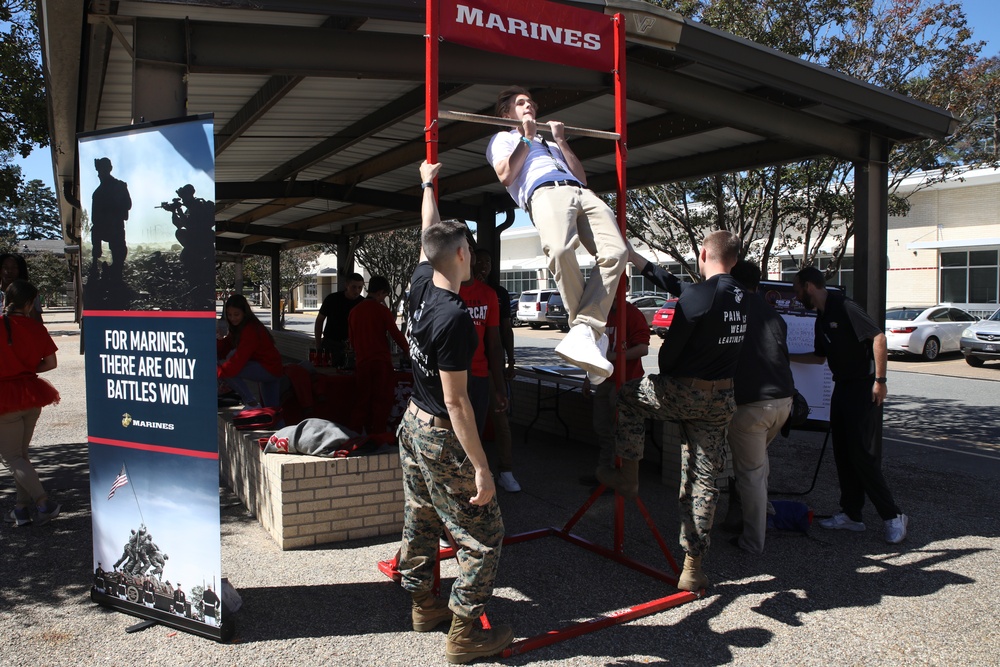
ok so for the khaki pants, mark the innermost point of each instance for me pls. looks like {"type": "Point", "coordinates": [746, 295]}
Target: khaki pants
{"type": "Point", "coordinates": [16, 429]}
{"type": "Point", "coordinates": [750, 432]}
{"type": "Point", "coordinates": [566, 217]}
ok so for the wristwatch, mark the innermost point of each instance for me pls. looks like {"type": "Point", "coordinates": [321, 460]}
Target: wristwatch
{"type": "Point", "coordinates": [428, 184]}
{"type": "Point", "coordinates": [882, 380]}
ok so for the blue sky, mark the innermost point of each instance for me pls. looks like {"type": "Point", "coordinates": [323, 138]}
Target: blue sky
{"type": "Point", "coordinates": [981, 15]}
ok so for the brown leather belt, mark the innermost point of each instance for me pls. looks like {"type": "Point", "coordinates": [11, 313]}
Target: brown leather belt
{"type": "Point", "coordinates": [706, 385]}
{"type": "Point", "coordinates": [427, 417]}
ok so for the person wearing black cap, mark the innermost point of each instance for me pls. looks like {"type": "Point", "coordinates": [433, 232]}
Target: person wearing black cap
{"type": "Point", "coordinates": [855, 347]}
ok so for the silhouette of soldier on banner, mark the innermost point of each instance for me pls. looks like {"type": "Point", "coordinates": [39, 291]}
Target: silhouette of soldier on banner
{"type": "Point", "coordinates": [108, 213]}
{"type": "Point", "coordinates": [194, 219]}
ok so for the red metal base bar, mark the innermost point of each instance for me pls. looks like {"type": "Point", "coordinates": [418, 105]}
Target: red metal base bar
{"type": "Point", "coordinates": [616, 554]}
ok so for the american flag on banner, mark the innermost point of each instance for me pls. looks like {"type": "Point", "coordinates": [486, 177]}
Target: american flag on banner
{"type": "Point", "coordinates": [120, 481]}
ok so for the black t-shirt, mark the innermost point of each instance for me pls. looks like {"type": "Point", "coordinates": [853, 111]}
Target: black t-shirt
{"type": "Point", "coordinates": [707, 331]}
{"type": "Point", "coordinates": [763, 372]}
{"type": "Point", "coordinates": [336, 307]}
{"type": "Point", "coordinates": [844, 333]}
{"type": "Point", "coordinates": [441, 337]}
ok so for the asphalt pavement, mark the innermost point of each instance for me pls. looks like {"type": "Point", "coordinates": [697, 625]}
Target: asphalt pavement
{"type": "Point", "coordinates": [820, 598]}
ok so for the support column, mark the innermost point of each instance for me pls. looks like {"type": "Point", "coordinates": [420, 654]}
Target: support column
{"type": "Point", "coordinates": [276, 291]}
{"type": "Point", "coordinates": [871, 228]}
{"type": "Point", "coordinates": [345, 260]}
{"type": "Point", "coordinates": [488, 237]}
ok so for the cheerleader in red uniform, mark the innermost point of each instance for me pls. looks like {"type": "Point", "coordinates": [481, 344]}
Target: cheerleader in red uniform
{"type": "Point", "coordinates": [26, 349]}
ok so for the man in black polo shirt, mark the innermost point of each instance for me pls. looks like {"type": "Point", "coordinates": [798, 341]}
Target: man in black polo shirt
{"type": "Point", "coordinates": [855, 347]}
{"type": "Point", "coordinates": [694, 388]}
{"type": "Point", "coordinates": [331, 330]}
{"type": "Point", "coordinates": [446, 477]}
{"type": "Point", "coordinates": [763, 392]}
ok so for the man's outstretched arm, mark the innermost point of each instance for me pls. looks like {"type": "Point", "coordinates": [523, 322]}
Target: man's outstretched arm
{"type": "Point", "coordinates": [428, 206]}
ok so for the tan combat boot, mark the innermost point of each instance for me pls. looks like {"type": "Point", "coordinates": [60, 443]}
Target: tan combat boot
{"type": "Point", "coordinates": [692, 578]}
{"type": "Point", "coordinates": [624, 480]}
{"type": "Point", "coordinates": [428, 612]}
{"type": "Point", "coordinates": [467, 640]}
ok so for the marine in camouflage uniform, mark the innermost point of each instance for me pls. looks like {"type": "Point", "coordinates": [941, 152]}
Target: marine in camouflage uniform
{"type": "Point", "coordinates": [446, 476]}
{"type": "Point", "coordinates": [694, 388]}
{"type": "Point", "coordinates": [703, 417]}
{"type": "Point", "coordinates": [438, 482]}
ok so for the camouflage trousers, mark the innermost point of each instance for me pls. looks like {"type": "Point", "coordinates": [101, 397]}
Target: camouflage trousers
{"type": "Point", "coordinates": [438, 481]}
{"type": "Point", "coordinates": [703, 417]}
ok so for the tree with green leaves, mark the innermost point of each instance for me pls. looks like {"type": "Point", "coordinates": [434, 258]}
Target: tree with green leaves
{"type": "Point", "coordinates": [295, 265]}
{"type": "Point", "coordinates": [49, 273]}
{"type": "Point", "coordinates": [35, 215]}
{"type": "Point", "coordinates": [393, 255]}
{"type": "Point", "coordinates": [921, 49]}
{"type": "Point", "coordinates": [23, 113]}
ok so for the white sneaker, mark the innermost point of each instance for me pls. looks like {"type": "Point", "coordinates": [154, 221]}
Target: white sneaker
{"type": "Point", "coordinates": [895, 529]}
{"type": "Point", "coordinates": [580, 348]}
{"type": "Point", "coordinates": [841, 521]}
{"type": "Point", "coordinates": [508, 483]}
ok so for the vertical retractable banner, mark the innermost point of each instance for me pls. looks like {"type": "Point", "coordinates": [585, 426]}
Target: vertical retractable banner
{"type": "Point", "coordinates": [148, 252]}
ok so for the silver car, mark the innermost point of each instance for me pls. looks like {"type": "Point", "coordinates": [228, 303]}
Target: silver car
{"type": "Point", "coordinates": [647, 304]}
{"type": "Point", "coordinates": [926, 332]}
{"type": "Point", "coordinates": [981, 341]}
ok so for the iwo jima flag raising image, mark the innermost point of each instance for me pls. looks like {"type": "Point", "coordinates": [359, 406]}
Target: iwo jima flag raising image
{"type": "Point", "coordinates": [149, 344]}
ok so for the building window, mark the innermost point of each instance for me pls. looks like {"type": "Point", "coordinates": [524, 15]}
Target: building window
{"type": "Point", "coordinates": [969, 276]}
{"type": "Point", "coordinates": [639, 283]}
{"type": "Point", "coordinates": [516, 282]}
{"type": "Point", "coordinates": [309, 300]}
{"type": "Point", "coordinates": [844, 277]}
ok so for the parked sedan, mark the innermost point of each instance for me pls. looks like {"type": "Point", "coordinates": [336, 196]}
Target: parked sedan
{"type": "Point", "coordinates": [647, 305]}
{"type": "Point", "coordinates": [981, 341]}
{"type": "Point", "coordinates": [663, 318]}
{"type": "Point", "coordinates": [926, 332]}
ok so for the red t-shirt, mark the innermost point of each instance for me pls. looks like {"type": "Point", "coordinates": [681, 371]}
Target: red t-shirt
{"type": "Point", "coordinates": [20, 387]}
{"type": "Point", "coordinates": [481, 302]}
{"type": "Point", "coordinates": [636, 333]}
{"type": "Point", "coordinates": [255, 345]}
{"type": "Point", "coordinates": [367, 326]}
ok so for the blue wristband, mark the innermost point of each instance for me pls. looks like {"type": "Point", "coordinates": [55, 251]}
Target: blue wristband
{"type": "Point", "coordinates": [526, 140]}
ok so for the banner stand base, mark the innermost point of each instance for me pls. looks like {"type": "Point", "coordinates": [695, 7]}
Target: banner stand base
{"type": "Point", "coordinates": [139, 627]}
{"type": "Point", "coordinates": [153, 616]}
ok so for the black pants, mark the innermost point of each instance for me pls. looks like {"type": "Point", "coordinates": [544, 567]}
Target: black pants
{"type": "Point", "coordinates": [856, 426]}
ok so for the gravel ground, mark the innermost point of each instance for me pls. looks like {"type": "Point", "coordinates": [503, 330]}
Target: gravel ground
{"type": "Point", "coordinates": [817, 599]}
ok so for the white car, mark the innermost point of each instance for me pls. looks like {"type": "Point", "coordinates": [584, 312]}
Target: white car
{"type": "Point", "coordinates": [981, 341]}
{"type": "Point", "coordinates": [532, 306]}
{"type": "Point", "coordinates": [926, 332]}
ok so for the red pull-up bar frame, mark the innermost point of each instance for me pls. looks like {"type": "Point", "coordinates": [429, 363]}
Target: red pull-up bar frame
{"type": "Point", "coordinates": [432, 116]}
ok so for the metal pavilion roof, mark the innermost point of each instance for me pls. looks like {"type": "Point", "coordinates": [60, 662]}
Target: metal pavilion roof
{"type": "Point", "coordinates": [319, 106]}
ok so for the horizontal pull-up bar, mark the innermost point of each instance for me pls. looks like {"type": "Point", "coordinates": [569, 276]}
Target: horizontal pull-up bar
{"type": "Point", "coordinates": [510, 122]}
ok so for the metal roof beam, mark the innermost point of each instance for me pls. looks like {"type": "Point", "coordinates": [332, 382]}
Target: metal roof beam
{"type": "Point", "coordinates": [266, 97]}
{"type": "Point", "coordinates": [450, 136]}
{"type": "Point", "coordinates": [222, 48]}
{"type": "Point", "coordinates": [669, 90]}
{"type": "Point", "coordinates": [399, 201]}
{"type": "Point", "coordinates": [725, 161]}
{"type": "Point", "coordinates": [271, 93]}
{"type": "Point", "coordinates": [393, 112]}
